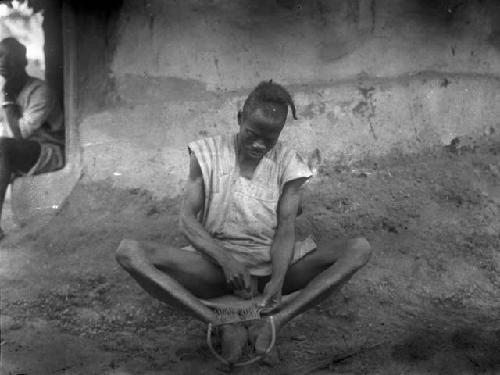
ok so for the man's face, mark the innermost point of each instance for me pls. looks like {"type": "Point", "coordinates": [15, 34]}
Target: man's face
{"type": "Point", "coordinates": [260, 130]}
{"type": "Point", "coordinates": [10, 64]}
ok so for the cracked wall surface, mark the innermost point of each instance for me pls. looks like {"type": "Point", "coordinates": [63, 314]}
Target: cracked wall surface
{"type": "Point", "coordinates": [368, 77]}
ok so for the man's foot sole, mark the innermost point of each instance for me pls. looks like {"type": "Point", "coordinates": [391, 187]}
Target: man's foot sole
{"type": "Point", "coordinates": [272, 358]}
{"type": "Point", "coordinates": [260, 335]}
{"type": "Point", "coordinates": [234, 338]}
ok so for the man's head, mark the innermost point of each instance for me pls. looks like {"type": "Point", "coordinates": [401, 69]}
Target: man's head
{"type": "Point", "coordinates": [12, 57]}
{"type": "Point", "coordinates": [262, 118]}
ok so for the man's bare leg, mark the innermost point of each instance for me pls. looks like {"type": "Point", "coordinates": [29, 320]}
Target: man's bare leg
{"type": "Point", "coordinates": [318, 274]}
{"type": "Point", "coordinates": [15, 155]}
{"type": "Point", "coordinates": [179, 278]}
{"type": "Point", "coordinates": [5, 173]}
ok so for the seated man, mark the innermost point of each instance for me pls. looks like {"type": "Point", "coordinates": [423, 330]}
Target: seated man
{"type": "Point", "coordinates": [241, 201]}
{"type": "Point", "coordinates": [31, 130]}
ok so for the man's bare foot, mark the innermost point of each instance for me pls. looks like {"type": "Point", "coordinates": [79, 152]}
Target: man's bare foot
{"type": "Point", "coordinates": [272, 358]}
{"type": "Point", "coordinates": [260, 335]}
{"type": "Point", "coordinates": [234, 338]}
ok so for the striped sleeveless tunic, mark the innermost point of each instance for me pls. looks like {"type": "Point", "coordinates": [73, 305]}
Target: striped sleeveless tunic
{"type": "Point", "coordinates": [240, 212]}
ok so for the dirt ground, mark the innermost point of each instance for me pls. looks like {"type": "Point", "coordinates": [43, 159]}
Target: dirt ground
{"type": "Point", "coordinates": [427, 303]}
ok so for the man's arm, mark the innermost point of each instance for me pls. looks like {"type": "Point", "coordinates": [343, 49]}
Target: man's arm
{"type": "Point", "coordinates": [284, 240]}
{"type": "Point", "coordinates": [236, 273]}
{"type": "Point", "coordinates": [11, 112]}
{"type": "Point", "coordinates": [40, 104]}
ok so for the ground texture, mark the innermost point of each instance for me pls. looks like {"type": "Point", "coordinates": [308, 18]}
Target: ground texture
{"type": "Point", "coordinates": [428, 302]}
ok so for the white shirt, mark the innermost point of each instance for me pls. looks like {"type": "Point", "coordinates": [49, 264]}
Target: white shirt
{"type": "Point", "coordinates": [243, 213]}
{"type": "Point", "coordinates": [38, 106]}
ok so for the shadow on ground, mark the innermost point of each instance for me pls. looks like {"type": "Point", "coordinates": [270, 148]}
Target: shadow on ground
{"type": "Point", "coordinates": [428, 301]}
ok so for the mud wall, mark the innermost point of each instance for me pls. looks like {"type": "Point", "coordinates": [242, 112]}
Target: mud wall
{"type": "Point", "coordinates": [368, 77]}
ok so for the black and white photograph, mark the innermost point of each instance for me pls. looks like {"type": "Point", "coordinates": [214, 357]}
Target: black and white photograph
{"type": "Point", "coordinates": [250, 187]}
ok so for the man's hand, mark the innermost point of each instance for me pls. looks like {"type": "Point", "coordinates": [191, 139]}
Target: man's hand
{"type": "Point", "coordinates": [12, 88]}
{"type": "Point", "coordinates": [237, 275]}
{"type": "Point", "coordinates": [271, 298]}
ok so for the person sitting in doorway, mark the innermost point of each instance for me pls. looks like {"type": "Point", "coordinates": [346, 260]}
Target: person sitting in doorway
{"type": "Point", "coordinates": [239, 215]}
{"type": "Point", "coordinates": [32, 127]}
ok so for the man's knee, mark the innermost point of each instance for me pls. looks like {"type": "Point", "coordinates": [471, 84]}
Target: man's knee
{"type": "Point", "coordinates": [127, 253]}
{"type": "Point", "coordinates": [360, 251]}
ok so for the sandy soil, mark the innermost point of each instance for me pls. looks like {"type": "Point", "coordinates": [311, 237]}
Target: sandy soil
{"type": "Point", "coordinates": [428, 302]}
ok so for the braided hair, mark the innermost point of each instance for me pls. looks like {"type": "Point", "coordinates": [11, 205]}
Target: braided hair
{"type": "Point", "coordinates": [268, 92]}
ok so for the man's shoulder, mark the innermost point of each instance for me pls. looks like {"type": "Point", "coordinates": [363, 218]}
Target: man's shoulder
{"type": "Point", "coordinates": [289, 159]}
{"type": "Point", "coordinates": [283, 152]}
{"type": "Point", "coordinates": [215, 141]}
{"type": "Point", "coordinates": [213, 153]}
{"type": "Point", "coordinates": [34, 84]}
{"type": "Point", "coordinates": [216, 137]}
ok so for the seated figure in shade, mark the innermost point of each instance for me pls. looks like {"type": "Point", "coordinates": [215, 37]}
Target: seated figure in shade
{"type": "Point", "coordinates": [31, 121]}
{"type": "Point", "coordinates": [239, 214]}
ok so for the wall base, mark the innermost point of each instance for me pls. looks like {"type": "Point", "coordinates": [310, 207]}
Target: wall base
{"type": "Point", "coordinates": [41, 195]}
